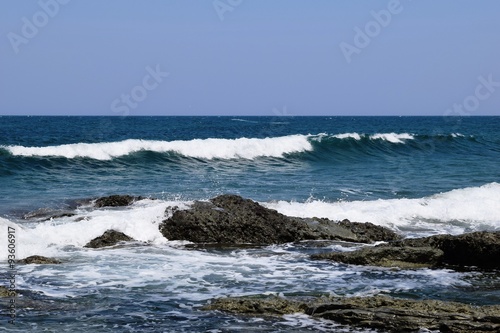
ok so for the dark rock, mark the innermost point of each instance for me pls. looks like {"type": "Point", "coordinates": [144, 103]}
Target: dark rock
{"type": "Point", "coordinates": [400, 315]}
{"type": "Point", "coordinates": [345, 230]}
{"type": "Point", "coordinates": [388, 256]}
{"type": "Point", "coordinates": [116, 201]}
{"type": "Point", "coordinates": [58, 216]}
{"type": "Point", "coordinates": [38, 260]}
{"type": "Point", "coordinates": [378, 312]}
{"type": "Point", "coordinates": [481, 249]}
{"type": "Point", "coordinates": [109, 238]}
{"type": "Point", "coordinates": [45, 214]}
{"type": "Point", "coordinates": [231, 219]}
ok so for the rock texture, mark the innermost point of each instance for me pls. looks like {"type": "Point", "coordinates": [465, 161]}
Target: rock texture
{"type": "Point", "coordinates": [479, 249]}
{"type": "Point", "coordinates": [268, 306]}
{"type": "Point", "coordinates": [388, 256]}
{"type": "Point", "coordinates": [38, 260]}
{"type": "Point", "coordinates": [231, 219]}
{"type": "Point", "coordinates": [377, 312]}
{"type": "Point", "coordinates": [116, 201]}
{"type": "Point", "coordinates": [4, 292]}
{"type": "Point", "coordinates": [109, 238]}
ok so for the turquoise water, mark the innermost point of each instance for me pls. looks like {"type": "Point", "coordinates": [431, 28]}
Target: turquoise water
{"type": "Point", "coordinates": [416, 175]}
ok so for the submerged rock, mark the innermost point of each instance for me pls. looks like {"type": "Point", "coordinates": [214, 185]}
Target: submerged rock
{"type": "Point", "coordinates": [109, 238]}
{"type": "Point", "coordinates": [377, 312]}
{"type": "Point", "coordinates": [116, 201]}
{"type": "Point", "coordinates": [38, 260]}
{"type": "Point", "coordinates": [388, 256]}
{"type": "Point", "coordinates": [231, 219]}
{"type": "Point", "coordinates": [480, 249]}
{"type": "Point", "coordinates": [46, 214]}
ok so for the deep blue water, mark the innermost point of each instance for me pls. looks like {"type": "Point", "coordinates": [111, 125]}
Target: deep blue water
{"type": "Point", "coordinates": [445, 153]}
{"type": "Point", "coordinates": [415, 175]}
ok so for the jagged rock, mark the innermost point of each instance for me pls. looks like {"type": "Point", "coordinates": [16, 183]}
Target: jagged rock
{"type": "Point", "coordinates": [377, 312]}
{"type": "Point", "coordinates": [109, 238]}
{"type": "Point", "coordinates": [38, 260]}
{"type": "Point", "coordinates": [116, 201]}
{"type": "Point", "coordinates": [480, 249]}
{"type": "Point", "coordinates": [231, 219]}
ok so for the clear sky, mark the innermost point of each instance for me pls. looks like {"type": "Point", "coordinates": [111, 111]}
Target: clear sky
{"type": "Point", "coordinates": [249, 57]}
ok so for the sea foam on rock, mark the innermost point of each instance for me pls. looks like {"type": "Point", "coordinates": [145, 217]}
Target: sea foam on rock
{"type": "Point", "coordinates": [231, 219]}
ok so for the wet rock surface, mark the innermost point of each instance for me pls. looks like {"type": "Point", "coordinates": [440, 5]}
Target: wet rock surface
{"type": "Point", "coordinates": [388, 256]}
{"type": "Point", "coordinates": [377, 312]}
{"type": "Point", "coordinates": [109, 238]}
{"type": "Point", "coordinates": [40, 260]}
{"type": "Point", "coordinates": [116, 201]}
{"type": "Point", "coordinates": [231, 219]}
{"type": "Point", "coordinates": [478, 249]}
{"type": "Point", "coordinates": [481, 249]}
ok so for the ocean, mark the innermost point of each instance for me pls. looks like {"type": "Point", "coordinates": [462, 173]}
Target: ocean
{"type": "Point", "coordinates": [418, 176]}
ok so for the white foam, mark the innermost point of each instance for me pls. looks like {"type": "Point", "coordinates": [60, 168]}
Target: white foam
{"type": "Point", "coordinates": [247, 148]}
{"type": "Point", "coordinates": [139, 221]}
{"type": "Point", "coordinates": [354, 136]}
{"type": "Point", "coordinates": [456, 211]}
{"type": "Point", "coordinates": [392, 137]}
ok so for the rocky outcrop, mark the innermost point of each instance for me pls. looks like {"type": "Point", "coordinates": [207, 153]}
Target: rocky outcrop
{"type": "Point", "coordinates": [266, 306]}
{"type": "Point", "coordinates": [377, 312]}
{"type": "Point", "coordinates": [109, 238]}
{"type": "Point", "coordinates": [231, 219]}
{"type": "Point", "coordinates": [40, 260]}
{"type": "Point", "coordinates": [479, 249]}
{"type": "Point", "coordinates": [116, 201]}
{"type": "Point", "coordinates": [388, 256]}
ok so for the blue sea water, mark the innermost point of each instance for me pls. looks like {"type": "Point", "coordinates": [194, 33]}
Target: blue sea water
{"type": "Point", "coordinates": [416, 175]}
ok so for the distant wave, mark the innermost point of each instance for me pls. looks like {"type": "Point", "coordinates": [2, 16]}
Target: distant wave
{"type": "Point", "coordinates": [226, 149]}
{"type": "Point", "coordinates": [390, 137]}
{"type": "Point", "coordinates": [247, 148]}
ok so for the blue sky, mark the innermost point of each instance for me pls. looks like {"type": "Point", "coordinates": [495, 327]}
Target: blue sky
{"type": "Point", "coordinates": [249, 57]}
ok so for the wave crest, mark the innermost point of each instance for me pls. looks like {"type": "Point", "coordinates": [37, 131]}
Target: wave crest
{"type": "Point", "coordinates": [247, 148]}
